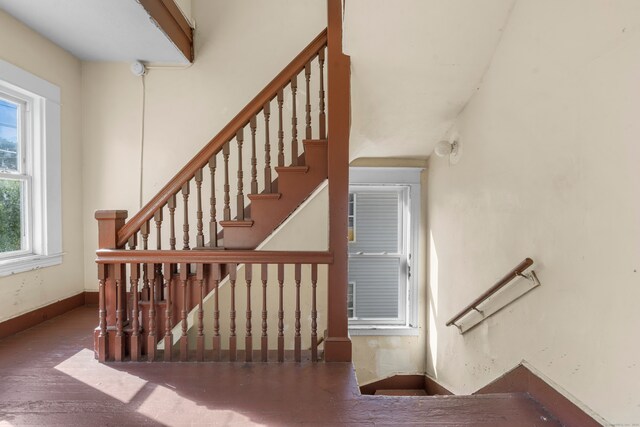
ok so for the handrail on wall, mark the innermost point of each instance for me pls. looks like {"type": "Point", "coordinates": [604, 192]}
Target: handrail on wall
{"type": "Point", "coordinates": [516, 272]}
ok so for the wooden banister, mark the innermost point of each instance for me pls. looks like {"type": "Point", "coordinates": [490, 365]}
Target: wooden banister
{"type": "Point", "coordinates": [109, 256]}
{"type": "Point", "coordinates": [518, 270]}
{"type": "Point", "coordinates": [225, 135]}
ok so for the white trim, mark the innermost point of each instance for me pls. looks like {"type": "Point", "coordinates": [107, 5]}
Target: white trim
{"type": "Point", "coordinates": [383, 331]}
{"type": "Point", "coordinates": [27, 83]}
{"type": "Point", "coordinates": [28, 263]}
{"type": "Point", "coordinates": [382, 175]}
{"type": "Point", "coordinates": [44, 167]}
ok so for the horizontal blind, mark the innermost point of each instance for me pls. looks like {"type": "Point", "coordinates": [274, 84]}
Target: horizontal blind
{"type": "Point", "coordinates": [377, 222]}
{"type": "Point", "coordinates": [376, 286]}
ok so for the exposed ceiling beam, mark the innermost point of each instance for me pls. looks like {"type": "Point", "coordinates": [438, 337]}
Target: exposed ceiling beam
{"type": "Point", "coordinates": [169, 19]}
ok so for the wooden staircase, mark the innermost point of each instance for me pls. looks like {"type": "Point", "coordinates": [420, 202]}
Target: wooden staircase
{"type": "Point", "coordinates": [169, 257]}
{"type": "Point", "coordinates": [268, 210]}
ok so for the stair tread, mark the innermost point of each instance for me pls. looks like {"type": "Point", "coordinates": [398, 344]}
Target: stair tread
{"type": "Point", "coordinates": [265, 196]}
{"type": "Point", "coordinates": [237, 223]}
{"type": "Point", "coordinates": [319, 142]}
{"type": "Point", "coordinates": [292, 169]}
{"type": "Point", "coordinates": [402, 392]}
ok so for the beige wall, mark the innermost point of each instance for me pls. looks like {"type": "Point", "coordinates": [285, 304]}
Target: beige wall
{"type": "Point", "coordinates": [240, 47]}
{"type": "Point", "coordinates": [27, 291]}
{"type": "Point", "coordinates": [379, 356]}
{"type": "Point", "coordinates": [549, 170]}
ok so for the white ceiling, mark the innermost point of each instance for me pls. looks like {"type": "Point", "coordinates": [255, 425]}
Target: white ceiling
{"type": "Point", "coordinates": [97, 30]}
{"type": "Point", "coordinates": [415, 64]}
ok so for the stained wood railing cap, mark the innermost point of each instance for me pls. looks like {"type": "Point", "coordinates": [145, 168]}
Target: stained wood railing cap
{"type": "Point", "coordinates": [118, 214]}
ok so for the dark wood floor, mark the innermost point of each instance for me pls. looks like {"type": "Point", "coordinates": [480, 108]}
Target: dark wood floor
{"type": "Point", "coordinates": [49, 377]}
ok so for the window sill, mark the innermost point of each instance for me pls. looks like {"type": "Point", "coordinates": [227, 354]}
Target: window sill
{"type": "Point", "coordinates": [28, 263]}
{"type": "Point", "coordinates": [384, 331]}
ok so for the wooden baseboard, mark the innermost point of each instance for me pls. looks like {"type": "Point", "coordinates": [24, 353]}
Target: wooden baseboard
{"type": "Point", "coordinates": [32, 318]}
{"type": "Point", "coordinates": [91, 298]}
{"type": "Point", "coordinates": [522, 380]}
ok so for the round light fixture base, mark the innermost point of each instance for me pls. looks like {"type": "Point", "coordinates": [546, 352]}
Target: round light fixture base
{"type": "Point", "coordinates": [138, 69]}
{"type": "Point", "coordinates": [446, 148]}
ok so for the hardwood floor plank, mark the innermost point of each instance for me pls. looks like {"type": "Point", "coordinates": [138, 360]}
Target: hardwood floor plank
{"type": "Point", "coordinates": [50, 377]}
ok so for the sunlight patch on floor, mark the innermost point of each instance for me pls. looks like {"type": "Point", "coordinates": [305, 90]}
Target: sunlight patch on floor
{"type": "Point", "coordinates": [83, 367]}
{"type": "Point", "coordinates": [168, 407]}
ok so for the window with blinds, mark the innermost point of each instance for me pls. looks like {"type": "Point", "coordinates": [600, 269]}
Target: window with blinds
{"type": "Point", "coordinates": [378, 255]}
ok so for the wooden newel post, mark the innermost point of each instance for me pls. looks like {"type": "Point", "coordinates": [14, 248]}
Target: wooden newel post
{"type": "Point", "coordinates": [109, 223]}
{"type": "Point", "coordinates": [337, 343]}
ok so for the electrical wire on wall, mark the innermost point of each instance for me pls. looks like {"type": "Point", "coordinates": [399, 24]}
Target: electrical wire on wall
{"type": "Point", "coordinates": [139, 69]}
{"type": "Point", "coordinates": [142, 137]}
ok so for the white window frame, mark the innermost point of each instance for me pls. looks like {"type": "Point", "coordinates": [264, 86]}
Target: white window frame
{"type": "Point", "coordinates": [23, 173]}
{"type": "Point", "coordinates": [407, 177]}
{"type": "Point", "coordinates": [352, 216]}
{"type": "Point", "coordinates": [352, 284]}
{"type": "Point", "coordinates": [43, 165]}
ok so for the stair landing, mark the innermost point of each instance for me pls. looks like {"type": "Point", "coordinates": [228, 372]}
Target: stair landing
{"type": "Point", "coordinates": [49, 377]}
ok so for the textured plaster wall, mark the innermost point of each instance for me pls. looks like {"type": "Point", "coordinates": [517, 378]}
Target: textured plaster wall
{"type": "Point", "coordinates": [24, 292]}
{"type": "Point", "coordinates": [549, 170]}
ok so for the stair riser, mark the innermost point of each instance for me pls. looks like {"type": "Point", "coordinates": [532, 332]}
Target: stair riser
{"type": "Point", "coordinates": [267, 214]}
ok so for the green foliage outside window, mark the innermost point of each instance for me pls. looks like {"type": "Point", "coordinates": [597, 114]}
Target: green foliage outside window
{"type": "Point", "coordinates": [10, 206]}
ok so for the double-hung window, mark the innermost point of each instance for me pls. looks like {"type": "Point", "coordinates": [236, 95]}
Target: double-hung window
{"type": "Point", "coordinates": [15, 176]}
{"type": "Point", "coordinates": [383, 226]}
{"type": "Point", "coordinates": [30, 196]}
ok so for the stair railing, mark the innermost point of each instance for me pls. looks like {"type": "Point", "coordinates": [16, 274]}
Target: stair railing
{"type": "Point", "coordinates": [178, 278]}
{"type": "Point", "coordinates": [476, 304]}
{"type": "Point", "coordinates": [155, 283]}
{"type": "Point", "coordinates": [219, 171]}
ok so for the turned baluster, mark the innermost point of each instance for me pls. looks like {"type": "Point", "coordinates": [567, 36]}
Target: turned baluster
{"type": "Point", "coordinates": [240, 196]}
{"type": "Point", "coordinates": [232, 314]}
{"type": "Point", "coordinates": [297, 337]}
{"type": "Point", "coordinates": [144, 232]}
{"type": "Point", "coordinates": [151, 337]}
{"type": "Point", "coordinates": [132, 242]}
{"type": "Point", "coordinates": [322, 122]}
{"type": "Point", "coordinates": [200, 339]}
{"type": "Point", "coordinates": [314, 313]}
{"type": "Point", "coordinates": [199, 225]}
{"type": "Point", "coordinates": [135, 325]}
{"type": "Point", "coordinates": [254, 162]}
{"type": "Point", "coordinates": [172, 222]}
{"type": "Point", "coordinates": [215, 275]}
{"type": "Point", "coordinates": [120, 314]}
{"type": "Point", "coordinates": [103, 341]}
{"type": "Point", "coordinates": [267, 149]}
{"type": "Point", "coordinates": [184, 339]}
{"type": "Point", "coordinates": [248, 341]}
{"type": "Point", "coordinates": [280, 313]}
{"type": "Point", "coordinates": [157, 218]}
{"type": "Point", "coordinates": [264, 347]}
{"type": "Point", "coordinates": [307, 77]}
{"type": "Point", "coordinates": [168, 334]}
{"type": "Point", "coordinates": [280, 129]}
{"type": "Point", "coordinates": [213, 224]}
{"type": "Point", "coordinates": [185, 226]}
{"type": "Point", "coordinates": [227, 198]}
{"type": "Point", "coordinates": [294, 122]}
